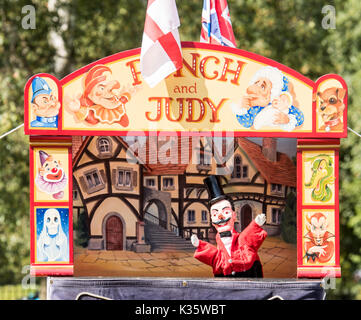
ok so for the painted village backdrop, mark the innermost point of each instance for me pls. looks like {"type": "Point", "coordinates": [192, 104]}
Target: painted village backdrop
{"type": "Point", "coordinates": [135, 218]}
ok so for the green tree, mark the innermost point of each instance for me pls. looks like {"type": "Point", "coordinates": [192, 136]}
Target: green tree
{"type": "Point", "coordinates": [289, 219]}
{"type": "Point", "coordinates": [81, 236]}
{"type": "Point", "coordinates": [346, 53]}
{"type": "Point", "coordinates": [22, 53]}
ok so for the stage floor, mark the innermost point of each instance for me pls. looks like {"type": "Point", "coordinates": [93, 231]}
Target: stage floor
{"type": "Point", "coordinates": [278, 259]}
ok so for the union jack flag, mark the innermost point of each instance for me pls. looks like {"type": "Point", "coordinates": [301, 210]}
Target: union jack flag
{"type": "Point", "coordinates": [216, 23]}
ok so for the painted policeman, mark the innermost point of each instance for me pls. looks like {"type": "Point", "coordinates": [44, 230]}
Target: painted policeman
{"type": "Point", "coordinates": [45, 105]}
{"type": "Point", "coordinates": [236, 253]}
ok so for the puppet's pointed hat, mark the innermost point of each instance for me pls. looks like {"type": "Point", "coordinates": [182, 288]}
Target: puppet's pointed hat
{"type": "Point", "coordinates": [39, 86]}
{"type": "Point", "coordinates": [43, 156]}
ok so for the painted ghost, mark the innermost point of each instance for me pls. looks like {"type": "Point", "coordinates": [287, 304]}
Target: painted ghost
{"type": "Point", "coordinates": [52, 242]}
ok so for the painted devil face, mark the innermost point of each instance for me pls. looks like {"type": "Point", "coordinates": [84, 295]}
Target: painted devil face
{"type": "Point", "coordinates": [317, 227]}
{"type": "Point", "coordinates": [52, 170]}
{"type": "Point", "coordinates": [104, 94]}
{"type": "Point", "coordinates": [223, 216]}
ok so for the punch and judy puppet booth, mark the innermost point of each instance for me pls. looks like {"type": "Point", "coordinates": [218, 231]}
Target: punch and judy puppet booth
{"type": "Point", "coordinates": [91, 135]}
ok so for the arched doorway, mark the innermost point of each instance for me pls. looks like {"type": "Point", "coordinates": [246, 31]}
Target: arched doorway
{"type": "Point", "coordinates": [155, 212]}
{"type": "Point", "coordinates": [114, 233]}
{"type": "Point", "coordinates": [246, 216]}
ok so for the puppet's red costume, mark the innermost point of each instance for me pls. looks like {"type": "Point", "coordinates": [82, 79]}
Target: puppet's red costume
{"type": "Point", "coordinates": [243, 261]}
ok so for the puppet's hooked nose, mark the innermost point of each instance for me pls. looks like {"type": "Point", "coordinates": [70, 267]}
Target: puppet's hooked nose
{"type": "Point", "coordinates": [220, 216]}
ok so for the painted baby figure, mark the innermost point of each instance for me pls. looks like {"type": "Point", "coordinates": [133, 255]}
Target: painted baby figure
{"type": "Point", "coordinates": [267, 116]}
{"type": "Point", "coordinates": [236, 253]}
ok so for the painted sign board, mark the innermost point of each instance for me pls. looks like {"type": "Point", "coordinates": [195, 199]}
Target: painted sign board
{"type": "Point", "coordinates": [318, 208]}
{"type": "Point", "coordinates": [218, 90]}
{"type": "Point", "coordinates": [51, 222]}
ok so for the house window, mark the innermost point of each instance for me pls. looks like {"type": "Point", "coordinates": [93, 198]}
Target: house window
{"type": "Point", "coordinates": [124, 178]}
{"type": "Point", "coordinates": [93, 181]}
{"type": "Point", "coordinates": [244, 171]}
{"type": "Point", "coordinates": [204, 216]}
{"type": "Point", "coordinates": [204, 158]}
{"type": "Point", "coordinates": [150, 182]}
{"type": "Point", "coordinates": [75, 191]}
{"type": "Point", "coordinates": [239, 171]}
{"type": "Point", "coordinates": [276, 187]}
{"type": "Point", "coordinates": [168, 184]}
{"type": "Point", "coordinates": [191, 214]}
{"type": "Point", "coordinates": [276, 215]}
{"type": "Point", "coordinates": [104, 147]}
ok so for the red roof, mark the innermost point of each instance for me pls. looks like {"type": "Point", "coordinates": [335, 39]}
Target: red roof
{"type": "Point", "coordinates": [282, 171]}
{"type": "Point", "coordinates": [160, 163]}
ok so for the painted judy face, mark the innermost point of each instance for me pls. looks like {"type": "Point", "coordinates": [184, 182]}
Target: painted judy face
{"type": "Point", "coordinates": [46, 105]}
{"type": "Point", "coordinates": [52, 170]}
{"type": "Point", "coordinates": [223, 216]}
{"type": "Point", "coordinates": [104, 94]}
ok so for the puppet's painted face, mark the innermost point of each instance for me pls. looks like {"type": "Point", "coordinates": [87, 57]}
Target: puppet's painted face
{"type": "Point", "coordinates": [52, 170]}
{"type": "Point", "coordinates": [260, 92]}
{"type": "Point", "coordinates": [223, 216]}
{"type": "Point", "coordinates": [46, 105]}
{"type": "Point", "coordinates": [52, 221]}
{"type": "Point", "coordinates": [104, 94]}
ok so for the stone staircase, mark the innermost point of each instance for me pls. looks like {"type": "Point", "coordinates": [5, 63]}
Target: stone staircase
{"type": "Point", "coordinates": [162, 240]}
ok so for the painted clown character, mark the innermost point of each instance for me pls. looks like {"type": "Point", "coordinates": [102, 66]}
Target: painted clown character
{"type": "Point", "coordinates": [270, 100]}
{"type": "Point", "coordinates": [44, 104]}
{"type": "Point", "coordinates": [236, 253]}
{"type": "Point", "coordinates": [317, 246]}
{"type": "Point", "coordinates": [101, 101]}
{"type": "Point", "coordinates": [52, 243]}
{"type": "Point", "coordinates": [51, 177]}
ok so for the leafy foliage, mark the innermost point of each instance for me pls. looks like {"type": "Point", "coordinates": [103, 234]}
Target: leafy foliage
{"type": "Point", "coordinates": [289, 219]}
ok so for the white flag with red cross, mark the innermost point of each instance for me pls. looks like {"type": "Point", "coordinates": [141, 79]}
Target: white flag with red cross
{"type": "Point", "coordinates": [161, 52]}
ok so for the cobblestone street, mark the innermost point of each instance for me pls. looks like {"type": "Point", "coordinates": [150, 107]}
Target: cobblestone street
{"type": "Point", "coordinates": [278, 259]}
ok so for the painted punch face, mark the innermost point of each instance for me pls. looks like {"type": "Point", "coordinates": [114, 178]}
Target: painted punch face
{"type": "Point", "coordinates": [223, 216]}
{"type": "Point", "coordinates": [52, 170]}
{"type": "Point", "coordinates": [104, 94]}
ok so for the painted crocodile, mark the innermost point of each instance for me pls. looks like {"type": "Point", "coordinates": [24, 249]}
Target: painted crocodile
{"type": "Point", "coordinates": [322, 177]}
